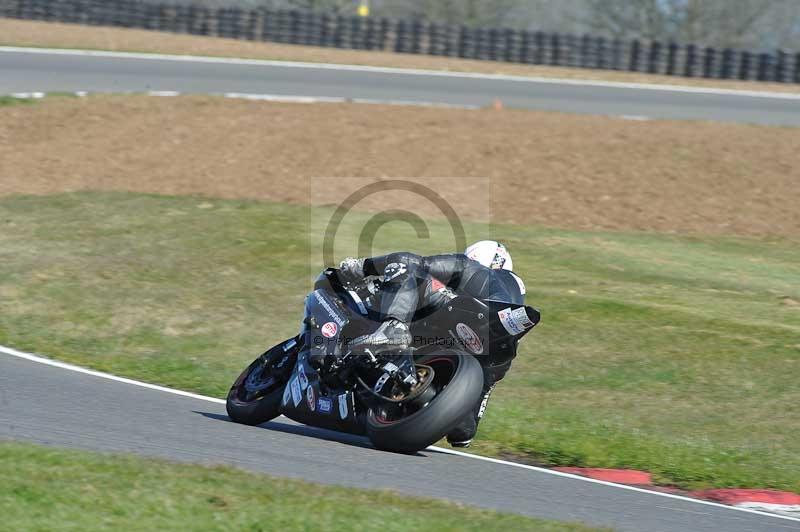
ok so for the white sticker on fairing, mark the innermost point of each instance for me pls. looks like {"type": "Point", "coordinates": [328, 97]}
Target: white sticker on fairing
{"type": "Point", "coordinates": [519, 282]}
{"type": "Point", "coordinates": [469, 338]}
{"type": "Point", "coordinates": [311, 399]}
{"type": "Point", "coordinates": [324, 405]}
{"type": "Point", "coordinates": [290, 344]}
{"type": "Point", "coordinates": [342, 400]}
{"type": "Point", "coordinates": [296, 395]}
{"type": "Point", "coordinates": [515, 321]}
{"type": "Point", "coordinates": [301, 374]}
{"type": "Point", "coordinates": [286, 393]}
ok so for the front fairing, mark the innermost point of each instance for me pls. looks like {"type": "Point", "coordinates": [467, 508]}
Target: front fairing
{"type": "Point", "coordinates": [324, 322]}
{"type": "Point", "coordinates": [306, 398]}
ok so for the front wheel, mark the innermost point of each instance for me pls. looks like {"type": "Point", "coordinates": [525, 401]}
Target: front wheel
{"type": "Point", "coordinates": [458, 381]}
{"type": "Point", "coordinates": [255, 396]}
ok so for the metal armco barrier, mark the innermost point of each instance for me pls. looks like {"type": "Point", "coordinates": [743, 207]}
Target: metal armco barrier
{"type": "Point", "coordinates": [418, 37]}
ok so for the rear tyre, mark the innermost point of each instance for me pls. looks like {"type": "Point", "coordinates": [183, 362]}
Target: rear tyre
{"type": "Point", "coordinates": [256, 396]}
{"type": "Point", "coordinates": [459, 389]}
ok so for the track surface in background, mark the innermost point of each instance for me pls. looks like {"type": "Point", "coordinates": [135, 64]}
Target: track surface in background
{"type": "Point", "coordinates": [52, 72]}
{"type": "Point", "coordinates": [53, 406]}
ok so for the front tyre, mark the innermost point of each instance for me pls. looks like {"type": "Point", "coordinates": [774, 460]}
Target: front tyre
{"type": "Point", "coordinates": [255, 396]}
{"type": "Point", "coordinates": [459, 382]}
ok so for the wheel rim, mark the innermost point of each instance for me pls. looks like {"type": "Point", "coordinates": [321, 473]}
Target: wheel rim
{"type": "Point", "coordinates": [440, 380]}
{"type": "Point", "coordinates": [256, 384]}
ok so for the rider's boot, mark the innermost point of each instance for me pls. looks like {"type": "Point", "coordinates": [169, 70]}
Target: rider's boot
{"type": "Point", "coordinates": [391, 332]}
{"type": "Point", "coordinates": [461, 436]}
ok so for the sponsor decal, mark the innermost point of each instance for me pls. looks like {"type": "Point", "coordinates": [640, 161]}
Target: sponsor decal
{"type": "Point", "coordinates": [437, 285]}
{"type": "Point", "coordinates": [342, 400]}
{"type": "Point", "coordinates": [329, 330]}
{"type": "Point", "coordinates": [515, 321]}
{"type": "Point", "coordinates": [324, 404]}
{"type": "Point", "coordinates": [327, 306]}
{"type": "Point", "coordinates": [286, 393]}
{"type": "Point", "coordinates": [301, 374]}
{"type": "Point", "coordinates": [282, 362]}
{"type": "Point", "coordinates": [296, 394]}
{"type": "Point", "coordinates": [485, 400]}
{"type": "Point", "coordinates": [290, 344]}
{"type": "Point", "coordinates": [519, 282]}
{"type": "Point", "coordinates": [393, 270]}
{"type": "Point", "coordinates": [311, 398]}
{"type": "Point", "coordinates": [469, 338]}
{"type": "Point", "coordinates": [498, 261]}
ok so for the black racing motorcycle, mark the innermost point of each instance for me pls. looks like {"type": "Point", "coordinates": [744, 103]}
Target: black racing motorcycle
{"type": "Point", "coordinates": [403, 399]}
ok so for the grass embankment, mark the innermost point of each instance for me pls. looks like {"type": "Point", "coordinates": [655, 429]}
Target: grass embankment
{"type": "Point", "coordinates": [50, 489]}
{"type": "Point", "coordinates": [678, 355]}
{"type": "Point", "coordinates": [57, 35]}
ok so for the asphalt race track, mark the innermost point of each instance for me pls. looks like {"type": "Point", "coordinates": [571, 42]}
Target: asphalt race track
{"type": "Point", "coordinates": [55, 406]}
{"type": "Point", "coordinates": [26, 70]}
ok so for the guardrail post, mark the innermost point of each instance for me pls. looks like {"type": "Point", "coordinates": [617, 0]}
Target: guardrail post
{"type": "Point", "coordinates": [728, 61]}
{"type": "Point", "coordinates": [509, 46]}
{"type": "Point", "coordinates": [401, 36]}
{"type": "Point", "coordinates": [556, 50]}
{"type": "Point", "coordinates": [764, 67]}
{"type": "Point", "coordinates": [357, 33]}
{"type": "Point", "coordinates": [492, 44]}
{"type": "Point", "coordinates": [636, 46]}
{"type": "Point", "coordinates": [537, 55]}
{"type": "Point", "coordinates": [654, 57]}
{"type": "Point", "coordinates": [672, 59]}
{"type": "Point", "coordinates": [585, 51]}
{"type": "Point", "coordinates": [781, 66]}
{"type": "Point", "coordinates": [745, 65]}
{"type": "Point", "coordinates": [796, 77]}
{"type": "Point", "coordinates": [691, 60]}
{"type": "Point", "coordinates": [708, 62]}
{"type": "Point", "coordinates": [526, 40]}
{"type": "Point", "coordinates": [384, 32]}
{"type": "Point", "coordinates": [600, 53]}
{"type": "Point", "coordinates": [416, 33]}
{"type": "Point", "coordinates": [616, 54]}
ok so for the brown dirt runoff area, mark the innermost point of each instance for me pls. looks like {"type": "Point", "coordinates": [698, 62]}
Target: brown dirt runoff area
{"type": "Point", "coordinates": [56, 35]}
{"type": "Point", "coordinates": [553, 169]}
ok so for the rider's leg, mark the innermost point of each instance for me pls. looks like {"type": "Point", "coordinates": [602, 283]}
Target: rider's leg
{"type": "Point", "coordinates": [464, 432]}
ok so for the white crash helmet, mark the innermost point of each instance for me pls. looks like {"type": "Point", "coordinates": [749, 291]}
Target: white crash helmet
{"type": "Point", "coordinates": [491, 254]}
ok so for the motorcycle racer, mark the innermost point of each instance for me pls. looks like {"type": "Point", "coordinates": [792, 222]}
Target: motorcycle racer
{"type": "Point", "coordinates": [414, 285]}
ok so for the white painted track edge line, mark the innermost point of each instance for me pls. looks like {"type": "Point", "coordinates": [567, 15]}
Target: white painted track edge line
{"type": "Point", "coordinates": [70, 367]}
{"type": "Point", "coordinates": [406, 71]}
{"type": "Point", "coordinates": [109, 376]}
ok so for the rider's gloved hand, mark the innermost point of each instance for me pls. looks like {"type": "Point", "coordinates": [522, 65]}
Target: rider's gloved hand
{"type": "Point", "coordinates": [351, 270]}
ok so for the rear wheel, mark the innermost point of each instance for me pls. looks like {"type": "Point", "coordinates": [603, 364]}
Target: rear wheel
{"type": "Point", "coordinates": [457, 381]}
{"type": "Point", "coordinates": [255, 396]}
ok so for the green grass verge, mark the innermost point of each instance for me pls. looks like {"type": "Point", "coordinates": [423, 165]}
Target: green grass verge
{"type": "Point", "coordinates": [54, 489]}
{"type": "Point", "coordinates": [678, 355]}
{"type": "Point", "coordinates": [7, 101]}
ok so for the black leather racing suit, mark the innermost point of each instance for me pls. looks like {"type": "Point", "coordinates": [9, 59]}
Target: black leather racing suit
{"type": "Point", "coordinates": [412, 285]}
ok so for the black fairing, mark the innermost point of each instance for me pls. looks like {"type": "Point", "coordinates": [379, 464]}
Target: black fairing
{"type": "Point", "coordinates": [455, 324]}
